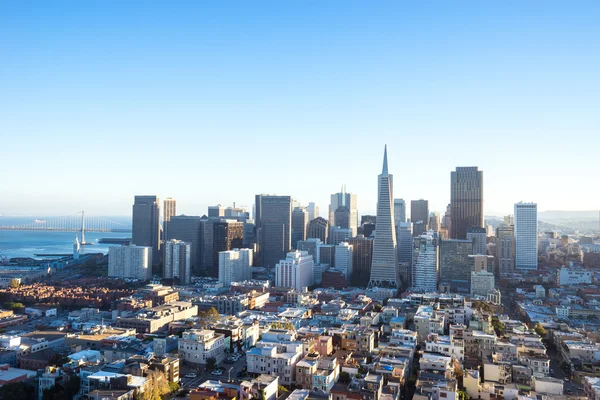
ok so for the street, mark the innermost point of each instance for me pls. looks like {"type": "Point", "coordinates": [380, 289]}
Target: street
{"type": "Point", "coordinates": [203, 376]}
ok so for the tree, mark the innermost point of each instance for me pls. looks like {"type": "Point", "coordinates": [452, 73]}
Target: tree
{"type": "Point", "coordinates": [282, 389]}
{"type": "Point", "coordinates": [499, 327]}
{"type": "Point", "coordinates": [539, 329]}
{"type": "Point", "coordinates": [17, 391]}
{"type": "Point", "coordinates": [209, 317]}
{"type": "Point", "coordinates": [211, 363]}
{"type": "Point", "coordinates": [462, 395]}
{"type": "Point", "coordinates": [174, 386]}
{"type": "Point", "coordinates": [344, 377]}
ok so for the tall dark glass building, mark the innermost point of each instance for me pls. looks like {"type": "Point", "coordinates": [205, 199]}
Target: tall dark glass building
{"type": "Point", "coordinates": [455, 267]}
{"type": "Point", "coordinates": [274, 223]}
{"type": "Point", "coordinates": [145, 225]}
{"type": "Point", "coordinates": [466, 201]}
{"type": "Point", "coordinates": [227, 235]}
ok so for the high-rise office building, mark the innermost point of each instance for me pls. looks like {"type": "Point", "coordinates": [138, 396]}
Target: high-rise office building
{"type": "Point", "coordinates": [362, 257]}
{"type": "Point", "coordinates": [239, 213]}
{"type": "Point", "coordinates": [526, 243]}
{"type": "Point", "coordinates": [425, 263]}
{"type": "Point", "coordinates": [343, 259]}
{"type": "Point", "coordinates": [295, 271]}
{"type": "Point", "coordinates": [310, 245]}
{"type": "Point", "coordinates": [326, 254]}
{"type": "Point", "coordinates": [133, 262]}
{"type": "Point", "coordinates": [419, 212]}
{"type": "Point", "coordinates": [341, 217]}
{"type": "Point", "coordinates": [274, 221]}
{"type": "Point", "coordinates": [169, 210]}
{"type": "Point", "coordinates": [299, 225]}
{"type": "Point", "coordinates": [178, 261]}
{"type": "Point", "coordinates": [235, 266]}
{"type": "Point", "coordinates": [482, 283]}
{"type": "Point", "coordinates": [348, 200]}
{"type": "Point", "coordinates": [384, 269]}
{"type": "Point", "coordinates": [216, 211]}
{"type": "Point", "coordinates": [318, 228]}
{"type": "Point", "coordinates": [227, 235]}
{"type": "Point", "coordinates": [505, 250]}
{"type": "Point", "coordinates": [338, 235]}
{"type": "Point", "coordinates": [480, 262]}
{"type": "Point", "coordinates": [313, 211]}
{"type": "Point", "coordinates": [466, 200]}
{"type": "Point", "coordinates": [187, 228]}
{"type": "Point", "coordinates": [405, 250]}
{"type": "Point", "coordinates": [455, 269]}
{"type": "Point", "coordinates": [434, 222]}
{"type": "Point", "coordinates": [145, 229]}
{"type": "Point", "coordinates": [479, 238]}
{"type": "Point", "coordinates": [399, 211]}
{"type": "Point", "coordinates": [447, 220]}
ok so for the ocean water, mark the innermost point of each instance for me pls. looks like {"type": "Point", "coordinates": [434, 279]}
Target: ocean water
{"type": "Point", "coordinates": [29, 243]}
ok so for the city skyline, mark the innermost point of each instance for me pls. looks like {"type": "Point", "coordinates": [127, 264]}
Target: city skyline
{"type": "Point", "coordinates": [491, 85]}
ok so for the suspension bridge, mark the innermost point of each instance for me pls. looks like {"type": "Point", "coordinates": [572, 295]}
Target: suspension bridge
{"type": "Point", "coordinates": [78, 222]}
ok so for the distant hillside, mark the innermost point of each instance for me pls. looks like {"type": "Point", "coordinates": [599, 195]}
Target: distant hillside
{"type": "Point", "coordinates": [568, 215]}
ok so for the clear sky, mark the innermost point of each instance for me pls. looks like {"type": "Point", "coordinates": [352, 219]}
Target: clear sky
{"type": "Point", "coordinates": [213, 102]}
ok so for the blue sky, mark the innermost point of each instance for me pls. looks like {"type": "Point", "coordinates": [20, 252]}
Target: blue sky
{"type": "Point", "coordinates": [213, 102]}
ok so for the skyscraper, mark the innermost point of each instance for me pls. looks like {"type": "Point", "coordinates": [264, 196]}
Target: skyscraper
{"type": "Point", "coordinates": [419, 211]}
{"type": "Point", "coordinates": [313, 211]}
{"type": "Point", "coordinates": [466, 200]}
{"type": "Point", "coordinates": [295, 271]}
{"type": "Point", "coordinates": [145, 230]}
{"type": "Point", "coordinates": [343, 259]}
{"type": "Point", "coordinates": [133, 262]}
{"type": "Point", "coordinates": [434, 222]}
{"type": "Point", "coordinates": [216, 211]}
{"type": "Point", "coordinates": [384, 269]}
{"type": "Point", "coordinates": [455, 267]}
{"type": "Point", "coordinates": [399, 211]}
{"type": "Point", "coordinates": [318, 228]}
{"type": "Point", "coordinates": [227, 235]}
{"type": "Point", "coordinates": [425, 263]}
{"type": "Point", "coordinates": [505, 250]}
{"type": "Point", "coordinates": [235, 266]}
{"type": "Point", "coordinates": [274, 220]}
{"type": "Point", "coordinates": [362, 258]}
{"type": "Point", "coordinates": [479, 238]}
{"type": "Point", "coordinates": [178, 261]}
{"type": "Point", "coordinates": [299, 225]}
{"type": "Point", "coordinates": [169, 210]}
{"type": "Point", "coordinates": [187, 229]}
{"type": "Point", "coordinates": [348, 200]}
{"type": "Point", "coordinates": [405, 250]}
{"type": "Point", "coordinates": [526, 244]}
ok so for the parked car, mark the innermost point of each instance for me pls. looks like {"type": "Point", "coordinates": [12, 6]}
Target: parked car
{"type": "Point", "coordinates": [217, 372]}
{"type": "Point", "coordinates": [230, 361]}
{"type": "Point", "coordinates": [190, 375]}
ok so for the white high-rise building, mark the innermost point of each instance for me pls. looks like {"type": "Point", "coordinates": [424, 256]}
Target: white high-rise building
{"type": "Point", "coordinates": [343, 259]}
{"type": "Point", "coordinates": [384, 268]}
{"type": "Point", "coordinates": [296, 271]}
{"type": "Point", "coordinates": [235, 266]}
{"type": "Point", "coordinates": [526, 241]}
{"type": "Point", "coordinates": [133, 262]}
{"type": "Point", "coordinates": [178, 261]}
{"type": "Point", "coordinates": [425, 264]}
{"type": "Point", "coordinates": [313, 211]}
{"type": "Point", "coordinates": [399, 211]}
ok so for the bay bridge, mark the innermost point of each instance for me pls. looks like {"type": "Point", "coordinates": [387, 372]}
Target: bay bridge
{"type": "Point", "coordinates": [78, 222]}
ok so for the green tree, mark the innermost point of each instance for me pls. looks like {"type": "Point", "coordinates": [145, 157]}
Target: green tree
{"type": "Point", "coordinates": [462, 395]}
{"type": "Point", "coordinates": [344, 377]}
{"type": "Point", "coordinates": [499, 327]}
{"type": "Point", "coordinates": [174, 386]}
{"type": "Point", "coordinates": [539, 329]}
{"type": "Point", "coordinates": [282, 389]}
{"type": "Point", "coordinates": [209, 317]}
